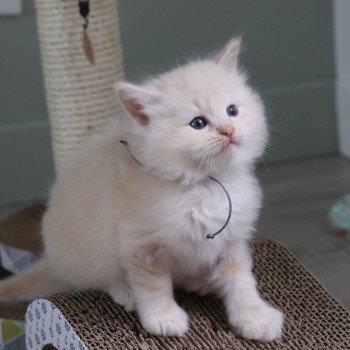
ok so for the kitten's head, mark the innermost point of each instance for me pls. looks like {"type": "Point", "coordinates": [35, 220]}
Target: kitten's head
{"type": "Point", "coordinates": [195, 121]}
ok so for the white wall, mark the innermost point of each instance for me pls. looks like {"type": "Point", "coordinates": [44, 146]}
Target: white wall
{"type": "Point", "coordinates": [342, 55]}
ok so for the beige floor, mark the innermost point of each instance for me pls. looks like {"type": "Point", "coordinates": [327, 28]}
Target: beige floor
{"type": "Point", "coordinates": [297, 198]}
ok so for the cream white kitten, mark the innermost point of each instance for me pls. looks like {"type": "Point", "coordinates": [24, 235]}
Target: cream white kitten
{"type": "Point", "coordinates": [132, 220]}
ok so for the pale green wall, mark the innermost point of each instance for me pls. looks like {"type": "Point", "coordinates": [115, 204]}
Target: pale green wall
{"type": "Point", "coordinates": [25, 152]}
{"type": "Point", "coordinates": [288, 51]}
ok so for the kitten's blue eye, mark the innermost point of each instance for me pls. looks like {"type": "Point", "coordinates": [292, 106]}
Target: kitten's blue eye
{"type": "Point", "coordinates": [232, 111]}
{"type": "Point", "coordinates": [198, 123]}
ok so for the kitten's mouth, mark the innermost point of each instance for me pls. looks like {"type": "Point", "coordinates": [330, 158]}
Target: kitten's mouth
{"type": "Point", "coordinates": [229, 143]}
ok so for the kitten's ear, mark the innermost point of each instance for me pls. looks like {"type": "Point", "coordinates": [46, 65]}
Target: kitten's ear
{"type": "Point", "coordinates": [135, 99]}
{"type": "Point", "coordinates": [228, 57]}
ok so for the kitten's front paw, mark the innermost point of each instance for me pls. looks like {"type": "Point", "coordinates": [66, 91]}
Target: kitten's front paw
{"type": "Point", "coordinates": [261, 322]}
{"type": "Point", "coordinates": [169, 320]}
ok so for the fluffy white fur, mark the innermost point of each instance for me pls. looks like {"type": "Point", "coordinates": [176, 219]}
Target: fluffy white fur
{"type": "Point", "coordinates": [136, 231]}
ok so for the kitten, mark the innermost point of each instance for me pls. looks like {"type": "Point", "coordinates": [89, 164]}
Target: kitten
{"type": "Point", "coordinates": [132, 219]}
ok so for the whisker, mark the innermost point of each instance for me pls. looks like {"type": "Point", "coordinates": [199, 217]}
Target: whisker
{"type": "Point", "coordinates": [265, 166]}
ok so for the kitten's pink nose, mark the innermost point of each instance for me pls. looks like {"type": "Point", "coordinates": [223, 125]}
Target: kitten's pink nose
{"type": "Point", "coordinates": [227, 130]}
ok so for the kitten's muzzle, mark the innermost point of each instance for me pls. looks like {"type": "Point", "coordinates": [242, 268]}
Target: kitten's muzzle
{"type": "Point", "coordinates": [229, 132]}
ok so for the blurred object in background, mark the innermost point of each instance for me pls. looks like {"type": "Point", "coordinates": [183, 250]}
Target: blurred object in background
{"type": "Point", "coordinates": [339, 215]}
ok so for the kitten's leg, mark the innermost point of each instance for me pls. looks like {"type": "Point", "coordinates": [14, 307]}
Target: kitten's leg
{"type": "Point", "coordinates": [248, 313]}
{"type": "Point", "coordinates": [153, 292]}
{"type": "Point", "coordinates": [121, 293]}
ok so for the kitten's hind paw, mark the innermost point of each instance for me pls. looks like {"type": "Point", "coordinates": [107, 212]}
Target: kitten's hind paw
{"type": "Point", "coordinates": [262, 322]}
{"type": "Point", "coordinates": [169, 320]}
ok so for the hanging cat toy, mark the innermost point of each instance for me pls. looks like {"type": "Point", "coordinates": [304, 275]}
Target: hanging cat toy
{"type": "Point", "coordinates": [84, 9]}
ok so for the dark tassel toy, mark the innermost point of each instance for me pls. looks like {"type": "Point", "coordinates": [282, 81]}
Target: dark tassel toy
{"type": "Point", "coordinates": [84, 9]}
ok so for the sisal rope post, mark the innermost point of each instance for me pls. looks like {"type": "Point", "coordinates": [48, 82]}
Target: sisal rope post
{"type": "Point", "coordinates": [79, 92]}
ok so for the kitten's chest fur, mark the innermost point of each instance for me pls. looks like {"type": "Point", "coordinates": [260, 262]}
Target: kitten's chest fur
{"type": "Point", "coordinates": [184, 217]}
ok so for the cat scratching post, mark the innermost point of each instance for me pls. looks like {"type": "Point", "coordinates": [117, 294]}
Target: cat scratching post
{"type": "Point", "coordinates": [78, 78]}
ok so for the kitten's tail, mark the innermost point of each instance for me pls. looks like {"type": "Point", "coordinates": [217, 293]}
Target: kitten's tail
{"type": "Point", "coordinates": [36, 282]}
